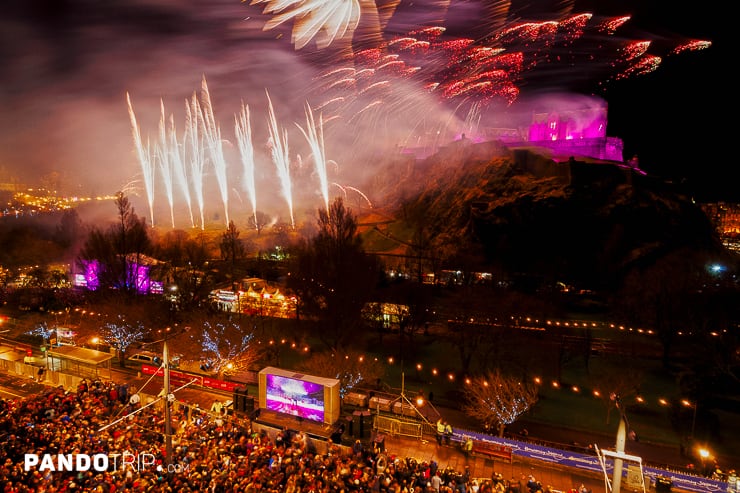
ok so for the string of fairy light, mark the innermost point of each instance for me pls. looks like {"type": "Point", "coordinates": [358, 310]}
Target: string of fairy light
{"type": "Point", "coordinates": [431, 374]}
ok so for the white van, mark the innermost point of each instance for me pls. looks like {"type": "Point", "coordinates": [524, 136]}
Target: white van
{"type": "Point", "coordinates": [145, 357]}
{"type": "Point", "coordinates": [150, 358]}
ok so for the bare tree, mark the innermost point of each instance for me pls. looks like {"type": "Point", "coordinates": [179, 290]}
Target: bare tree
{"type": "Point", "coordinates": [120, 250]}
{"type": "Point", "coordinates": [350, 368]}
{"type": "Point", "coordinates": [472, 331]}
{"type": "Point", "coordinates": [132, 242]}
{"type": "Point", "coordinates": [259, 221]}
{"type": "Point", "coordinates": [333, 277]}
{"type": "Point", "coordinates": [662, 295]}
{"type": "Point", "coordinates": [498, 400]}
{"type": "Point", "coordinates": [221, 347]}
{"type": "Point", "coordinates": [232, 248]}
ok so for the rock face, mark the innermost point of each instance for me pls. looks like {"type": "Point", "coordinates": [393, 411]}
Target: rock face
{"type": "Point", "coordinates": [519, 211]}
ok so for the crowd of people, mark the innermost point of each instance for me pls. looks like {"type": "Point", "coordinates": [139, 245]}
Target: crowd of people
{"type": "Point", "coordinates": [205, 452]}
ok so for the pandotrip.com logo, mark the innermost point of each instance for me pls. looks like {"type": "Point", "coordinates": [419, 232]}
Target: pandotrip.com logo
{"type": "Point", "coordinates": [125, 461]}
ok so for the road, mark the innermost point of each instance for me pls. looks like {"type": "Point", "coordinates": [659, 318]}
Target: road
{"type": "Point", "coordinates": [18, 387]}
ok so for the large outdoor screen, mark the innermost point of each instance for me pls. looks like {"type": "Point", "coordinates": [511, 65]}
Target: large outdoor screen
{"type": "Point", "coordinates": [296, 397]}
{"type": "Point", "coordinates": [304, 396]}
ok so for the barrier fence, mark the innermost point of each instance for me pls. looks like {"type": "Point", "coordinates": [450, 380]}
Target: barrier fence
{"type": "Point", "coordinates": [591, 463]}
{"type": "Point", "coordinates": [397, 427]}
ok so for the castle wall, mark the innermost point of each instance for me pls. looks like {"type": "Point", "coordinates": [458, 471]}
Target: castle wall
{"type": "Point", "coordinates": [606, 148]}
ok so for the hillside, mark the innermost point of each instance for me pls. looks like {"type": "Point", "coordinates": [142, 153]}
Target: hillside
{"type": "Point", "coordinates": [518, 211]}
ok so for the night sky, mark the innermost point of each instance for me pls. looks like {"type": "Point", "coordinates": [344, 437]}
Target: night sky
{"type": "Point", "coordinates": [68, 65]}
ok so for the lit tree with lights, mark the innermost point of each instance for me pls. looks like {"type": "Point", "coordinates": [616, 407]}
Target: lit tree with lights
{"type": "Point", "coordinates": [350, 369]}
{"type": "Point", "coordinates": [121, 334]}
{"type": "Point", "coordinates": [226, 349]}
{"type": "Point", "coordinates": [498, 400]}
{"type": "Point", "coordinates": [42, 330]}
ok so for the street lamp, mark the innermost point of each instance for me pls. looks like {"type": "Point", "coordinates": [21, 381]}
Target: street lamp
{"type": "Point", "coordinates": [420, 399]}
{"type": "Point", "coordinates": [704, 455]}
{"type": "Point", "coordinates": [688, 403]}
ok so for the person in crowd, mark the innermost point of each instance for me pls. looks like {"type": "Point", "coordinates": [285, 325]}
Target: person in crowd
{"type": "Point", "coordinates": [357, 448]}
{"type": "Point", "coordinates": [435, 481]}
{"type": "Point", "coordinates": [440, 430]}
{"type": "Point", "coordinates": [447, 433]}
{"type": "Point", "coordinates": [468, 446]}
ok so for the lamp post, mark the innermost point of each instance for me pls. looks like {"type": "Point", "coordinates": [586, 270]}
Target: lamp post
{"type": "Point", "coordinates": [619, 445]}
{"type": "Point", "coordinates": [168, 396]}
{"type": "Point", "coordinates": [419, 399]}
{"type": "Point", "coordinates": [704, 455]}
{"type": "Point", "coordinates": [96, 341]}
{"type": "Point", "coordinates": [167, 400]}
{"type": "Point", "coordinates": [692, 405]}
{"type": "Point", "coordinates": [621, 438]}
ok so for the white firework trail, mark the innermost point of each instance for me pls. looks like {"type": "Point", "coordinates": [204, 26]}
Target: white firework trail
{"type": "Point", "coordinates": [280, 156]}
{"type": "Point", "coordinates": [243, 130]}
{"type": "Point", "coordinates": [195, 152]}
{"type": "Point", "coordinates": [165, 163]}
{"type": "Point", "coordinates": [370, 204]}
{"type": "Point", "coordinates": [212, 134]}
{"type": "Point", "coordinates": [344, 190]}
{"type": "Point", "coordinates": [178, 168]}
{"type": "Point", "coordinates": [322, 20]}
{"type": "Point", "coordinates": [145, 159]}
{"type": "Point", "coordinates": [315, 137]}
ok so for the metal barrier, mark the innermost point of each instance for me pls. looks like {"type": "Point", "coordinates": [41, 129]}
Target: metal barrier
{"type": "Point", "coordinates": [393, 426]}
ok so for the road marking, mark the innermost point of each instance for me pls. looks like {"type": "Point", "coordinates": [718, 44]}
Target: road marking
{"type": "Point", "coordinates": [3, 391]}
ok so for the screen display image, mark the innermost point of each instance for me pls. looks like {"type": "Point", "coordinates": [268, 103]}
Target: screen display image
{"type": "Point", "coordinates": [297, 397]}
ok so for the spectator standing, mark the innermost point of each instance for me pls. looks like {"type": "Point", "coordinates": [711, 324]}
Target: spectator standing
{"type": "Point", "coordinates": [123, 393]}
{"type": "Point", "coordinates": [448, 433]}
{"type": "Point", "coordinates": [357, 448]}
{"type": "Point", "coordinates": [440, 431]}
{"type": "Point", "coordinates": [82, 387]}
{"type": "Point", "coordinates": [468, 446]}
{"type": "Point", "coordinates": [436, 481]}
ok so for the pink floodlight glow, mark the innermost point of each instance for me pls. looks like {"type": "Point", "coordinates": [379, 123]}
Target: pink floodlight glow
{"type": "Point", "coordinates": [90, 278]}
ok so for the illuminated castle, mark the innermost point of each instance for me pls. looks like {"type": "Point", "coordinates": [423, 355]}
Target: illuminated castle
{"type": "Point", "coordinates": [568, 131]}
{"type": "Point", "coordinates": [579, 132]}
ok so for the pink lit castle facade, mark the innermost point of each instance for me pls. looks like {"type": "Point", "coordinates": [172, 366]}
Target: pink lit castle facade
{"type": "Point", "coordinates": [566, 132]}
{"type": "Point", "coordinates": [576, 133]}
{"type": "Point", "coordinates": [566, 129]}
